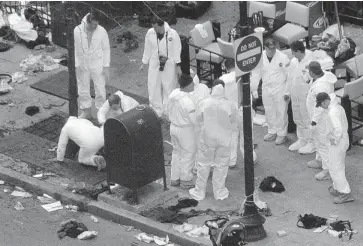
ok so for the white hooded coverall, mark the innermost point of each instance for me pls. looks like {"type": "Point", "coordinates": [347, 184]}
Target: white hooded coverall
{"type": "Point", "coordinates": [218, 116]}
{"type": "Point", "coordinates": [106, 112]}
{"type": "Point", "coordinates": [231, 92]}
{"type": "Point", "coordinates": [322, 84]}
{"type": "Point", "coordinates": [338, 132]}
{"type": "Point", "coordinates": [181, 111]}
{"type": "Point", "coordinates": [274, 77]}
{"type": "Point", "coordinates": [87, 136]}
{"type": "Point", "coordinates": [90, 59]}
{"type": "Point", "coordinates": [161, 83]}
{"type": "Point", "coordinates": [297, 88]}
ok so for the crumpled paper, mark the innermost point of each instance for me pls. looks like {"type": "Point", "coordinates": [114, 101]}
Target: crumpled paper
{"type": "Point", "coordinates": [192, 230]}
{"type": "Point", "coordinates": [34, 64]}
{"type": "Point", "coordinates": [157, 240]}
{"type": "Point", "coordinates": [19, 77]}
{"type": "Point", "coordinates": [87, 235]}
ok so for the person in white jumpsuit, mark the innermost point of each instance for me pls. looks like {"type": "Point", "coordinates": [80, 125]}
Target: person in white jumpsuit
{"type": "Point", "coordinates": [274, 75]}
{"type": "Point", "coordinates": [231, 92]}
{"type": "Point", "coordinates": [115, 105]}
{"type": "Point", "coordinates": [87, 136]}
{"type": "Point", "coordinates": [322, 81]}
{"type": "Point", "coordinates": [181, 111]}
{"type": "Point", "coordinates": [337, 135]}
{"type": "Point", "coordinates": [161, 43]}
{"type": "Point", "coordinates": [218, 116]}
{"type": "Point", "coordinates": [92, 61]}
{"type": "Point", "coordinates": [200, 92]}
{"type": "Point", "coordinates": [297, 89]}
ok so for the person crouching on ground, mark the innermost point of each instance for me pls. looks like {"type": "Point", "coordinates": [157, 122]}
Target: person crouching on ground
{"type": "Point", "coordinates": [114, 106]}
{"type": "Point", "coordinates": [337, 135]}
{"type": "Point", "coordinates": [181, 111]}
{"type": "Point", "coordinates": [218, 116]}
{"type": "Point", "coordinates": [87, 136]}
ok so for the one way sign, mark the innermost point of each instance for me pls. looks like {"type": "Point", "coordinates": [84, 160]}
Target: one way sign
{"type": "Point", "coordinates": [248, 52]}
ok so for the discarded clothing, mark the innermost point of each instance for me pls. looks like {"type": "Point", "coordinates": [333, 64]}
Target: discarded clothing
{"type": "Point", "coordinates": [71, 228]}
{"type": "Point", "coordinates": [272, 184]}
{"type": "Point", "coordinates": [172, 214]}
{"type": "Point", "coordinates": [310, 221]}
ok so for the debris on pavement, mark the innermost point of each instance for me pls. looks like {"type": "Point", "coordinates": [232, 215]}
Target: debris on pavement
{"type": "Point", "coordinates": [43, 175]}
{"type": "Point", "coordinates": [5, 88]}
{"type": "Point", "coordinates": [94, 219]}
{"type": "Point", "coordinates": [149, 239]}
{"type": "Point", "coordinates": [71, 228]}
{"type": "Point", "coordinates": [53, 206]}
{"type": "Point", "coordinates": [334, 233]}
{"type": "Point", "coordinates": [310, 221]}
{"type": "Point", "coordinates": [21, 194]}
{"type": "Point", "coordinates": [321, 229]}
{"type": "Point", "coordinates": [19, 77]}
{"type": "Point", "coordinates": [19, 206]}
{"type": "Point", "coordinates": [272, 184]}
{"type": "Point", "coordinates": [130, 228]}
{"type": "Point", "coordinates": [6, 190]}
{"type": "Point", "coordinates": [19, 188]}
{"type": "Point", "coordinates": [40, 175]}
{"type": "Point", "coordinates": [192, 230]}
{"type": "Point", "coordinates": [87, 235]}
{"type": "Point", "coordinates": [52, 105]}
{"type": "Point", "coordinates": [33, 64]}
{"type": "Point", "coordinates": [72, 208]}
{"type": "Point", "coordinates": [2, 182]}
{"type": "Point", "coordinates": [282, 233]}
{"type": "Point", "coordinates": [32, 110]}
{"type": "Point", "coordinates": [46, 199]}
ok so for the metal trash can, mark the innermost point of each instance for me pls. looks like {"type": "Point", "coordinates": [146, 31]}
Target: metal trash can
{"type": "Point", "coordinates": [134, 149]}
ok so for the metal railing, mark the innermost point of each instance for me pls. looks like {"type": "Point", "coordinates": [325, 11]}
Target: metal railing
{"type": "Point", "coordinates": [42, 8]}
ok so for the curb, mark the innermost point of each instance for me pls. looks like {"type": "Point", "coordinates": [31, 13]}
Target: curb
{"type": "Point", "coordinates": [97, 208]}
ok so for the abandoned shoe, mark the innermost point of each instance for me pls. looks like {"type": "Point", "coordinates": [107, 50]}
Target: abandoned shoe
{"type": "Point", "coordinates": [269, 137]}
{"type": "Point", "coordinates": [315, 164]}
{"type": "Point", "coordinates": [297, 145]}
{"type": "Point", "coordinates": [186, 184]}
{"type": "Point", "coordinates": [323, 175]}
{"type": "Point", "coordinates": [307, 149]}
{"type": "Point", "coordinates": [343, 198]}
{"type": "Point", "coordinates": [280, 140]}
{"type": "Point", "coordinates": [333, 191]}
{"type": "Point", "coordinates": [175, 182]}
{"type": "Point", "coordinates": [100, 162]}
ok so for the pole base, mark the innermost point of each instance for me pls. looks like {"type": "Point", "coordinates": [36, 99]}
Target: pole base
{"type": "Point", "coordinates": [253, 222]}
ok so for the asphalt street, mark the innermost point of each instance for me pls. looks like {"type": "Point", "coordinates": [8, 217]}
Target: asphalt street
{"type": "Point", "coordinates": [35, 226]}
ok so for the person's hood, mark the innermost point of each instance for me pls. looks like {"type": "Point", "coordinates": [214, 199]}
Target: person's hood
{"type": "Point", "coordinates": [218, 91]}
{"type": "Point", "coordinates": [333, 100]}
{"type": "Point", "coordinates": [84, 20]}
{"type": "Point", "coordinates": [120, 94]}
{"type": "Point", "coordinates": [166, 26]}
{"type": "Point", "coordinates": [328, 77]}
{"type": "Point", "coordinates": [176, 94]}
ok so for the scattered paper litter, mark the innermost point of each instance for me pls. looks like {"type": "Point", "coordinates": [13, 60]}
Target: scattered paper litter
{"type": "Point", "coordinates": [72, 208]}
{"type": "Point", "coordinates": [46, 199]}
{"type": "Point", "coordinates": [6, 190]}
{"type": "Point", "coordinates": [87, 235]}
{"type": "Point", "coordinates": [94, 219]}
{"type": "Point", "coordinates": [321, 229]}
{"type": "Point", "coordinates": [19, 206]}
{"type": "Point", "coordinates": [19, 188]}
{"type": "Point", "coordinates": [53, 206]}
{"type": "Point", "coordinates": [38, 175]}
{"type": "Point", "coordinates": [144, 237]}
{"type": "Point", "coordinates": [2, 182]}
{"type": "Point", "coordinates": [52, 149]}
{"type": "Point", "coordinates": [281, 233]}
{"type": "Point", "coordinates": [21, 194]}
{"type": "Point", "coordinates": [161, 241]}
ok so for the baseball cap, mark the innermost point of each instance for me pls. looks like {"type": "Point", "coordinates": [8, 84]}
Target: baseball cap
{"type": "Point", "coordinates": [315, 68]}
{"type": "Point", "coordinates": [321, 97]}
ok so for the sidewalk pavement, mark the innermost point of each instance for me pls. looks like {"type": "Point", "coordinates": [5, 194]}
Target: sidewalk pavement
{"type": "Point", "coordinates": [303, 193]}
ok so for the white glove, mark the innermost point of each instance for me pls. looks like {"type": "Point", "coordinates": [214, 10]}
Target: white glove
{"type": "Point", "coordinates": [255, 94]}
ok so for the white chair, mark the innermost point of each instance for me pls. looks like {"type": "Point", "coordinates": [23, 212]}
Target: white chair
{"type": "Point", "coordinates": [298, 17]}
{"type": "Point", "coordinates": [227, 49]}
{"type": "Point", "coordinates": [269, 10]}
{"type": "Point", "coordinates": [207, 50]}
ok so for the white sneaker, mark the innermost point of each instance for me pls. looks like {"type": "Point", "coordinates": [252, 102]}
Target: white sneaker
{"type": "Point", "coordinates": [297, 145]}
{"type": "Point", "coordinates": [307, 149]}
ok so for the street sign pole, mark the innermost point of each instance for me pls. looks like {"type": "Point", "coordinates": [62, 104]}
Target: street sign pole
{"type": "Point", "coordinates": [247, 61]}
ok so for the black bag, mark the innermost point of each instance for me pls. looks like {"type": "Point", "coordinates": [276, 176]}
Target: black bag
{"type": "Point", "coordinates": [222, 233]}
{"type": "Point", "coordinates": [341, 225]}
{"type": "Point", "coordinates": [310, 221]}
{"type": "Point", "coordinates": [272, 184]}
